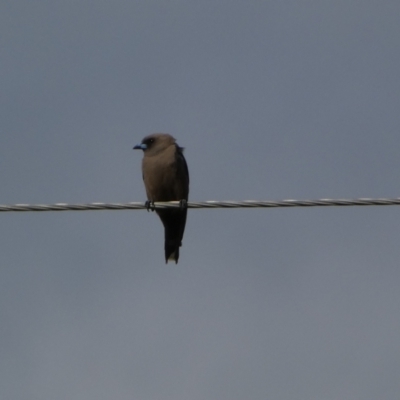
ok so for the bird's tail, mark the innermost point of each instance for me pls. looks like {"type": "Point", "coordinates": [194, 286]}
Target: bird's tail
{"type": "Point", "coordinates": [171, 253]}
{"type": "Point", "coordinates": [174, 222]}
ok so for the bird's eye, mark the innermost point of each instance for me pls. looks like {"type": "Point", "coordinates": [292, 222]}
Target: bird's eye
{"type": "Point", "coordinates": [151, 140]}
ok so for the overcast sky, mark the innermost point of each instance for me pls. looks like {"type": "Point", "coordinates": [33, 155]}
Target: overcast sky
{"type": "Point", "coordinates": [272, 100]}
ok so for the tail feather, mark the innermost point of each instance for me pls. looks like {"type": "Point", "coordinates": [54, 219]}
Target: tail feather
{"type": "Point", "coordinates": [174, 222]}
{"type": "Point", "coordinates": [171, 253]}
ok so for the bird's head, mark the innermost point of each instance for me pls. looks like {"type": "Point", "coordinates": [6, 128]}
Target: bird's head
{"type": "Point", "coordinates": [155, 143]}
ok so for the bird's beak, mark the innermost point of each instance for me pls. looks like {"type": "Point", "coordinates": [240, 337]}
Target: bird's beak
{"type": "Point", "coordinates": [140, 146]}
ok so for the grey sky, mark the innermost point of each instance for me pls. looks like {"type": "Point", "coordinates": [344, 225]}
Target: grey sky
{"type": "Point", "coordinates": [283, 99]}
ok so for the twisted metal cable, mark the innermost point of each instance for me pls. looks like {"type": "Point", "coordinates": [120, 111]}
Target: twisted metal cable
{"type": "Point", "coordinates": [202, 204]}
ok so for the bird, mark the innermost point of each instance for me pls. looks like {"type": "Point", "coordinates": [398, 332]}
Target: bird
{"type": "Point", "coordinates": [166, 178]}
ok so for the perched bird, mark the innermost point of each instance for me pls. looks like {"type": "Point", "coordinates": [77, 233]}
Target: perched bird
{"type": "Point", "coordinates": [166, 178]}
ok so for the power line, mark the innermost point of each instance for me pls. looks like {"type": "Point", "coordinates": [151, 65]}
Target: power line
{"type": "Point", "coordinates": [201, 204]}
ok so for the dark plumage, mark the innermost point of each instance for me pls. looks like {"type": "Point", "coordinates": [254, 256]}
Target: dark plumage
{"type": "Point", "coordinates": [166, 178]}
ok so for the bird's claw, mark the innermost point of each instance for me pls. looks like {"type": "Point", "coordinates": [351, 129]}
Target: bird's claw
{"type": "Point", "coordinates": [149, 205]}
{"type": "Point", "coordinates": [183, 204]}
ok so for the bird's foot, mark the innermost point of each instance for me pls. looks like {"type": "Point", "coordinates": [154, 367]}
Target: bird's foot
{"type": "Point", "coordinates": [149, 205]}
{"type": "Point", "coordinates": [183, 205]}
